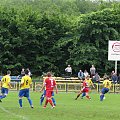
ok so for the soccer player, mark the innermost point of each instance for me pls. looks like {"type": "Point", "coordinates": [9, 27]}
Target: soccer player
{"type": "Point", "coordinates": [50, 84]}
{"type": "Point", "coordinates": [90, 83]}
{"type": "Point", "coordinates": [25, 84]}
{"type": "Point", "coordinates": [43, 96]}
{"type": "Point", "coordinates": [84, 90]}
{"type": "Point", "coordinates": [5, 83]}
{"type": "Point", "coordinates": [105, 89]}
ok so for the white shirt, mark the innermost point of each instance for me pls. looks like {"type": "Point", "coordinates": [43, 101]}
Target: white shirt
{"type": "Point", "coordinates": [68, 69]}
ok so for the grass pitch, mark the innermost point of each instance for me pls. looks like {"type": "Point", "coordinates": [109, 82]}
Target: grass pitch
{"type": "Point", "coordinates": [67, 108]}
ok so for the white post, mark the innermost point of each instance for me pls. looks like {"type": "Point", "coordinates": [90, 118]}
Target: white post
{"type": "Point", "coordinates": [116, 66]}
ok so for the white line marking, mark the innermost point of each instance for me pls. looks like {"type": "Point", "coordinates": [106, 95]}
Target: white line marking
{"type": "Point", "coordinates": [13, 114]}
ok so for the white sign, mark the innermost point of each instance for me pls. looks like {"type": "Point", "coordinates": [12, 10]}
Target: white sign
{"type": "Point", "coordinates": [114, 50]}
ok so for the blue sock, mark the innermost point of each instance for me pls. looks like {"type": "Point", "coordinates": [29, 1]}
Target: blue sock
{"type": "Point", "coordinates": [2, 96]}
{"type": "Point", "coordinates": [83, 94]}
{"type": "Point", "coordinates": [53, 100]}
{"type": "Point", "coordinates": [20, 102]}
{"type": "Point", "coordinates": [41, 99]}
{"type": "Point", "coordinates": [30, 101]}
{"type": "Point", "coordinates": [101, 97]}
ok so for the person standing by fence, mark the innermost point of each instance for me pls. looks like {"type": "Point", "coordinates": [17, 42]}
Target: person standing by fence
{"type": "Point", "coordinates": [92, 71]}
{"type": "Point", "coordinates": [68, 71]}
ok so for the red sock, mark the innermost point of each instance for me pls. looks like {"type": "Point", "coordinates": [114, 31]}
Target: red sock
{"type": "Point", "coordinates": [46, 102]}
{"type": "Point", "coordinates": [50, 101]}
{"type": "Point", "coordinates": [88, 97]}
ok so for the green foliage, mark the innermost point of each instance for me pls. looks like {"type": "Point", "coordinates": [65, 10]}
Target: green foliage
{"type": "Point", "coordinates": [46, 35]}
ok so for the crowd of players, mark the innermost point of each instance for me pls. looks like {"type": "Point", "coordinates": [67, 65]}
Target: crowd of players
{"type": "Point", "coordinates": [48, 88]}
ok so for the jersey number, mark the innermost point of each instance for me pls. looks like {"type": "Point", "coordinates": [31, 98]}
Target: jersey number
{"type": "Point", "coordinates": [26, 82]}
{"type": "Point", "coordinates": [4, 80]}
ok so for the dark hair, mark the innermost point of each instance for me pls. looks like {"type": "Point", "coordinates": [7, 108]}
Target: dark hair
{"type": "Point", "coordinates": [83, 78]}
{"type": "Point", "coordinates": [49, 74]}
{"type": "Point", "coordinates": [26, 72]}
{"type": "Point", "coordinates": [8, 72]}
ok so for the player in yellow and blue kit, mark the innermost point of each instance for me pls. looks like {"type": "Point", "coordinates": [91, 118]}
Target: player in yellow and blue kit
{"type": "Point", "coordinates": [5, 83]}
{"type": "Point", "coordinates": [105, 89]}
{"type": "Point", "coordinates": [25, 84]}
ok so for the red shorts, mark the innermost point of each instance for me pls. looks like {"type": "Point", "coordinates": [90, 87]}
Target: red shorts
{"type": "Point", "coordinates": [49, 93]}
{"type": "Point", "coordinates": [85, 90]}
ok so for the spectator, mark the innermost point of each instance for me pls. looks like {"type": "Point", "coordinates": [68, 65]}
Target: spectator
{"type": "Point", "coordinates": [96, 78]}
{"type": "Point", "coordinates": [80, 75]}
{"type": "Point", "coordinates": [22, 73]}
{"type": "Point", "coordinates": [86, 73]}
{"type": "Point", "coordinates": [112, 73]}
{"type": "Point", "coordinates": [68, 71]}
{"type": "Point", "coordinates": [92, 71]}
{"type": "Point", "coordinates": [29, 72]}
{"type": "Point", "coordinates": [114, 78]}
{"type": "Point", "coordinates": [118, 81]}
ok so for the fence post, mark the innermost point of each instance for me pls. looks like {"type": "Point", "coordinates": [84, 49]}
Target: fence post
{"type": "Point", "coordinates": [66, 87]}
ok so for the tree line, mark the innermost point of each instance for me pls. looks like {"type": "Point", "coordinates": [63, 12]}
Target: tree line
{"type": "Point", "coordinates": [47, 35]}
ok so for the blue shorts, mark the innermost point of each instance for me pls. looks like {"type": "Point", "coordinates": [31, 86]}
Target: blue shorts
{"type": "Point", "coordinates": [104, 90]}
{"type": "Point", "coordinates": [44, 93]}
{"type": "Point", "coordinates": [24, 93]}
{"type": "Point", "coordinates": [4, 90]}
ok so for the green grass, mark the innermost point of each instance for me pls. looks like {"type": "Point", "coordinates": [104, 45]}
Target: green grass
{"type": "Point", "coordinates": [67, 108]}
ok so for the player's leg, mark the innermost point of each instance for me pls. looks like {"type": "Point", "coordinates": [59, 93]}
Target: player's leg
{"type": "Point", "coordinates": [48, 99]}
{"type": "Point", "coordinates": [4, 92]}
{"type": "Point", "coordinates": [27, 95]}
{"type": "Point", "coordinates": [87, 93]}
{"type": "Point", "coordinates": [83, 94]}
{"type": "Point", "coordinates": [102, 94]}
{"type": "Point", "coordinates": [53, 99]}
{"type": "Point", "coordinates": [79, 94]}
{"type": "Point", "coordinates": [87, 96]}
{"type": "Point", "coordinates": [21, 94]}
{"type": "Point", "coordinates": [42, 97]}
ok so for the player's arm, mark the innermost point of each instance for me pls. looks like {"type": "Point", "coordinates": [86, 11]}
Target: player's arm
{"type": "Point", "coordinates": [30, 82]}
{"type": "Point", "coordinates": [92, 84]}
{"type": "Point", "coordinates": [22, 82]}
{"type": "Point", "coordinates": [9, 85]}
{"type": "Point", "coordinates": [43, 86]}
{"type": "Point", "coordinates": [110, 84]}
{"type": "Point", "coordinates": [1, 83]}
{"type": "Point", "coordinates": [56, 88]}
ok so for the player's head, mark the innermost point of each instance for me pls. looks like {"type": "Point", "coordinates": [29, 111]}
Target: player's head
{"type": "Point", "coordinates": [8, 72]}
{"type": "Point", "coordinates": [26, 71]}
{"type": "Point", "coordinates": [106, 78]}
{"type": "Point", "coordinates": [88, 76]}
{"type": "Point", "coordinates": [83, 78]}
{"type": "Point", "coordinates": [49, 74]}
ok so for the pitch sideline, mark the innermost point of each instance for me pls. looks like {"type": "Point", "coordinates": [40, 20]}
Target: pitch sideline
{"type": "Point", "coordinates": [13, 114]}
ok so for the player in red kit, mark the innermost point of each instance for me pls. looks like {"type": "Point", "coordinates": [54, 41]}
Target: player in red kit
{"type": "Point", "coordinates": [84, 90]}
{"type": "Point", "coordinates": [49, 84]}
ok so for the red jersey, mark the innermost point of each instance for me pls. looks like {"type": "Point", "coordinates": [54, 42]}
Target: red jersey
{"type": "Point", "coordinates": [85, 87]}
{"type": "Point", "coordinates": [85, 84]}
{"type": "Point", "coordinates": [49, 83]}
